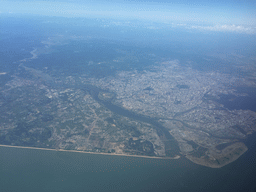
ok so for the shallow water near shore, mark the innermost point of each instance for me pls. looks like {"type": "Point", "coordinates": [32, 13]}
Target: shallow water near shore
{"type": "Point", "coordinates": [44, 170]}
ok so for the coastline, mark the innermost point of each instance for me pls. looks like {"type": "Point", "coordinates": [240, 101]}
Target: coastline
{"type": "Point", "coordinates": [220, 159]}
{"type": "Point", "coordinates": [86, 152]}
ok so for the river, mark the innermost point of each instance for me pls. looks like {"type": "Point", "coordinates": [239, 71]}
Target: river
{"type": "Point", "coordinates": [171, 145]}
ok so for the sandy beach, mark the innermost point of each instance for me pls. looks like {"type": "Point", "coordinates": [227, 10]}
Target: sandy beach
{"type": "Point", "coordinates": [95, 153]}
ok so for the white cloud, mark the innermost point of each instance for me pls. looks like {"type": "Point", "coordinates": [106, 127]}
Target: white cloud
{"type": "Point", "coordinates": [227, 28]}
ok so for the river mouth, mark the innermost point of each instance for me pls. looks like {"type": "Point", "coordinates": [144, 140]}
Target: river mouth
{"type": "Point", "coordinates": [171, 145]}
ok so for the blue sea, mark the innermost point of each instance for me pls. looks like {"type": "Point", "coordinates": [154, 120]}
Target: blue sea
{"type": "Point", "coordinates": [29, 170]}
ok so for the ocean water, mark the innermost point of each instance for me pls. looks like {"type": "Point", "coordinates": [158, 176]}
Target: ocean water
{"type": "Point", "coordinates": [32, 170]}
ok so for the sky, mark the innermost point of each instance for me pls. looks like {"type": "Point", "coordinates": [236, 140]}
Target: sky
{"type": "Point", "coordinates": [223, 14]}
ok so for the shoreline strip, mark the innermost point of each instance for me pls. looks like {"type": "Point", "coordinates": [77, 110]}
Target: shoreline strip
{"type": "Point", "coordinates": [87, 152]}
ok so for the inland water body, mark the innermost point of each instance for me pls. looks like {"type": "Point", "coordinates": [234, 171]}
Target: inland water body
{"type": "Point", "coordinates": [171, 145]}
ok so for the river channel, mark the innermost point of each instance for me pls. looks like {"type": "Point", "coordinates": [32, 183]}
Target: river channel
{"type": "Point", "coordinates": [171, 145]}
